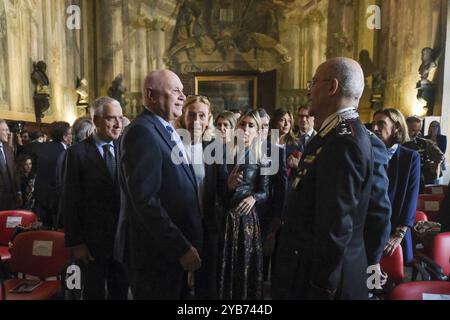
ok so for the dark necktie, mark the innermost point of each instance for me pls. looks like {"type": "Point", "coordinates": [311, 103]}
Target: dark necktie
{"type": "Point", "coordinates": [109, 160]}
{"type": "Point", "coordinates": [2, 161]}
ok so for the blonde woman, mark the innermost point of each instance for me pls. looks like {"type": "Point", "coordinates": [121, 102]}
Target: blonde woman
{"type": "Point", "coordinates": [198, 120]}
{"type": "Point", "coordinates": [241, 271]}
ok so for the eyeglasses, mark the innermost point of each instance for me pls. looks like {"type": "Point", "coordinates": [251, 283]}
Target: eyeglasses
{"type": "Point", "coordinates": [311, 83]}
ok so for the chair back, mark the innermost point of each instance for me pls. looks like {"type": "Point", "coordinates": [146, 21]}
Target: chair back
{"type": "Point", "coordinates": [430, 204]}
{"type": "Point", "coordinates": [415, 290]}
{"type": "Point", "coordinates": [440, 251]}
{"type": "Point", "coordinates": [393, 266]}
{"type": "Point", "coordinates": [9, 220]}
{"type": "Point", "coordinates": [435, 189]}
{"type": "Point", "coordinates": [39, 253]}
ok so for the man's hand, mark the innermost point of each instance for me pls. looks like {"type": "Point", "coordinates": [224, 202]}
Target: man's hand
{"type": "Point", "coordinates": [293, 161]}
{"type": "Point", "coordinates": [191, 260]}
{"type": "Point", "coordinates": [81, 252]}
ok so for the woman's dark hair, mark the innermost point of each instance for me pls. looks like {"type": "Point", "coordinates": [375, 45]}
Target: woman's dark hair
{"type": "Point", "coordinates": [277, 115]}
{"type": "Point", "coordinates": [21, 161]}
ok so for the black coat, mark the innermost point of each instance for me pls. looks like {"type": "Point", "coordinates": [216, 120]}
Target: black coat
{"type": "Point", "coordinates": [46, 186]}
{"type": "Point", "coordinates": [160, 217]}
{"type": "Point", "coordinates": [321, 253]}
{"type": "Point", "coordinates": [90, 200]}
{"type": "Point", "coordinates": [278, 183]}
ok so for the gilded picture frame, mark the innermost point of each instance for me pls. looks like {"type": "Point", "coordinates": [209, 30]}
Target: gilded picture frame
{"type": "Point", "coordinates": [228, 92]}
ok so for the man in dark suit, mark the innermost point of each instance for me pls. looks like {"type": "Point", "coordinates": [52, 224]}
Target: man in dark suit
{"type": "Point", "coordinates": [91, 204]}
{"type": "Point", "coordinates": [8, 187]}
{"type": "Point", "coordinates": [160, 227]}
{"type": "Point", "coordinates": [321, 254]}
{"type": "Point", "coordinates": [47, 169]}
{"type": "Point", "coordinates": [306, 127]}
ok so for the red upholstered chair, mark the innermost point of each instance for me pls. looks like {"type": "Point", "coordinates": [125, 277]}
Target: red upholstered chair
{"type": "Point", "coordinates": [430, 204]}
{"type": "Point", "coordinates": [415, 290]}
{"type": "Point", "coordinates": [41, 254]}
{"type": "Point", "coordinates": [393, 266]}
{"type": "Point", "coordinates": [435, 189]}
{"type": "Point", "coordinates": [440, 251]}
{"type": "Point", "coordinates": [8, 221]}
{"type": "Point", "coordinates": [436, 258]}
{"type": "Point", "coordinates": [420, 216]}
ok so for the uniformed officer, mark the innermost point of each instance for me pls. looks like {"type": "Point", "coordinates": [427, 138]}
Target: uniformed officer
{"type": "Point", "coordinates": [321, 254]}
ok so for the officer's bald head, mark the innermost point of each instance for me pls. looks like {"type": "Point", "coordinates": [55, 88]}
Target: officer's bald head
{"type": "Point", "coordinates": [349, 75]}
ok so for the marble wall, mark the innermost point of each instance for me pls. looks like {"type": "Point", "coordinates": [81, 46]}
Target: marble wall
{"type": "Point", "coordinates": [33, 30]}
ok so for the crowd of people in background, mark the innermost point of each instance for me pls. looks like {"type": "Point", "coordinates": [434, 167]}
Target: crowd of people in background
{"type": "Point", "coordinates": [134, 217]}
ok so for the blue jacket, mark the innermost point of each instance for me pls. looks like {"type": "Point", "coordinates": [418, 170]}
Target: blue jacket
{"type": "Point", "coordinates": [404, 183]}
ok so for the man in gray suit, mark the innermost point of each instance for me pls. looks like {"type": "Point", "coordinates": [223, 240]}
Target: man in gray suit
{"type": "Point", "coordinates": [8, 188]}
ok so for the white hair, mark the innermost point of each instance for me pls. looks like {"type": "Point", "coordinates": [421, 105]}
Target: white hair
{"type": "Point", "coordinates": [350, 76]}
{"type": "Point", "coordinates": [82, 128]}
{"type": "Point", "coordinates": [98, 106]}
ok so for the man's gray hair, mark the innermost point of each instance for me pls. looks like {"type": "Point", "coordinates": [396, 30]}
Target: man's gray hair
{"type": "Point", "coordinates": [82, 128]}
{"type": "Point", "coordinates": [3, 121]}
{"type": "Point", "coordinates": [98, 106]}
{"type": "Point", "coordinates": [350, 76]}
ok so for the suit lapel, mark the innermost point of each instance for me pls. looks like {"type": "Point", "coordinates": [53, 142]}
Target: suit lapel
{"type": "Point", "coordinates": [96, 159]}
{"type": "Point", "coordinates": [10, 166]}
{"type": "Point", "coordinates": [171, 144]}
{"type": "Point", "coordinates": [393, 172]}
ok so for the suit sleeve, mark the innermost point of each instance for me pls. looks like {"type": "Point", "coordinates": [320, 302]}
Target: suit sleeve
{"type": "Point", "coordinates": [340, 176]}
{"type": "Point", "coordinates": [280, 184]}
{"type": "Point", "coordinates": [141, 166]}
{"type": "Point", "coordinates": [262, 194]}
{"type": "Point", "coordinates": [71, 201]}
{"type": "Point", "coordinates": [378, 221]}
{"type": "Point", "coordinates": [408, 213]}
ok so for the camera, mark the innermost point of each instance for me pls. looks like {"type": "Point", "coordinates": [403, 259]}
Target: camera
{"type": "Point", "coordinates": [16, 127]}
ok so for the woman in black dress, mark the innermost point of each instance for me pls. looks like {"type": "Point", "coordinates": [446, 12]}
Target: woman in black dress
{"type": "Point", "coordinates": [241, 270]}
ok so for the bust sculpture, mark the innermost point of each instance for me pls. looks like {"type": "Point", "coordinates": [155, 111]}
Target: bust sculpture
{"type": "Point", "coordinates": [117, 89]}
{"type": "Point", "coordinates": [428, 65]}
{"type": "Point", "coordinates": [82, 91]}
{"type": "Point", "coordinates": [41, 95]}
